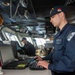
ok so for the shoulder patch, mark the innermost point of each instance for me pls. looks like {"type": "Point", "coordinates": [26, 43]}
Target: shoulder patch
{"type": "Point", "coordinates": [70, 36]}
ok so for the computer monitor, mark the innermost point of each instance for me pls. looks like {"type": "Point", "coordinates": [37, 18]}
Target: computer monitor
{"type": "Point", "coordinates": [6, 54]}
{"type": "Point", "coordinates": [16, 48]}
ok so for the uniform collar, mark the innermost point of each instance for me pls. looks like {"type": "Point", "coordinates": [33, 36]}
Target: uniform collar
{"type": "Point", "coordinates": [63, 29]}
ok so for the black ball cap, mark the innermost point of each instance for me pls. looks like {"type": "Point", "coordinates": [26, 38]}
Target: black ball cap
{"type": "Point", "coordinates": [56, 10]}
{"type": "Point", "coordinates": [23, 39]}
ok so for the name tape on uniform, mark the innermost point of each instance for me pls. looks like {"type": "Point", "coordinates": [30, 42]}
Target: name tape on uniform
{"type": "Point", "coordinates": [70, 36]}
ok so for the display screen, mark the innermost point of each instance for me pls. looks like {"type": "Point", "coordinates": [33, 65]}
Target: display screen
{"type": "Point", "coordinates": [6, 54]}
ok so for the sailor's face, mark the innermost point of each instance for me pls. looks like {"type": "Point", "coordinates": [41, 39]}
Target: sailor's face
{"type": "Point", "coordinates": [55, 20]}
{"type": "Point", "coordinates": [24, 41]}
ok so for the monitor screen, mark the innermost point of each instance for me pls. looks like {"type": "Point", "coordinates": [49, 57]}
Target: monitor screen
{"type": "Point", "coordinates": [16, 48]}
{"type": "Point", "coordinates": [6, 54]}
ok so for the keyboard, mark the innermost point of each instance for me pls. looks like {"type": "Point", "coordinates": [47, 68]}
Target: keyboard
{"type": "Point", "coordinates": [33, 66]}
{"type": "Point", "coordinates": [16, 65]}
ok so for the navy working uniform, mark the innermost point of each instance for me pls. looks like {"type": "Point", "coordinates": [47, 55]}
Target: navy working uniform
{"type": "Point", "coordinates": [29, 49]}
{"type": "Point", "coordinates": [63, 55]}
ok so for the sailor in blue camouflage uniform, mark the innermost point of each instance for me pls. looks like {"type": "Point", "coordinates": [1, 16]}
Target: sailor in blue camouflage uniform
{"type": "Point", "coordinates": [63, 54]}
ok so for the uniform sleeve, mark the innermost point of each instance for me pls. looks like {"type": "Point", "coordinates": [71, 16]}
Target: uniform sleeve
{"type": "Point", "coordinates": [67, 62]}
{"type": "Point", "coordinates": [48, 57]}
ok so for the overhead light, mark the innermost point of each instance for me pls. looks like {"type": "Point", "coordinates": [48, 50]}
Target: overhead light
{"type": "Point", "coordinates": [6, 3]}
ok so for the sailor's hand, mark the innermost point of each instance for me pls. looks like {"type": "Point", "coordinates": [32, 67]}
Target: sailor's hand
{"type": "Point", "coordinates": [43, 63]}
{"type": "Point", "coordinates": [38, 58]}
